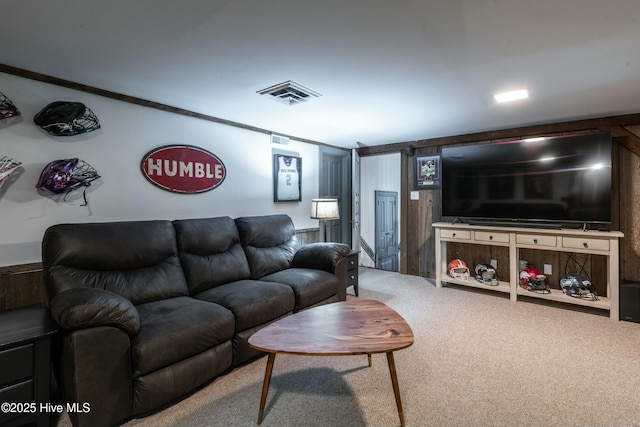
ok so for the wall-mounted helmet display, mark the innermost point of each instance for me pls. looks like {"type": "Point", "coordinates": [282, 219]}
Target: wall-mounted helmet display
{"type": "Point", "coordinates": [66, 175]}
{"type": "Point", "coordinates": [62, 118]}
{"type": "Point", "coordinates": [577, 286]}
{"type": "Point", "coordinates": [458, 269]}
{"type": "Point", "coordinates": [485, 273]}
{"type": "Point", "coordinates": [7, 108]}
{"type": "Point", "coordinates": [533, 280]}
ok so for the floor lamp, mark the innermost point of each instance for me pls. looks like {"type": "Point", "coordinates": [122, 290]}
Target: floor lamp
{"type": "Point", "coordinates": [324, 209]}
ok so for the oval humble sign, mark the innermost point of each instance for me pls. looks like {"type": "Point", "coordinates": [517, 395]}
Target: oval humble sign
{"type": "Point", "coordinates": [183, 169]}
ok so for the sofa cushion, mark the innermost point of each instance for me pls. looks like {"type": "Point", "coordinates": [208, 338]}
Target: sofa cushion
{"type": "Point", "coordinates": [309, 286]}
{"type": "Point", "coordinates": [253, 302]}
{"type": "Point", "coordinates": [137, 260]}
{"type": "Point", "coordinates": [269, 243]}
{"type": "Point", "coordinates": [210, 252]}
{"type": "Point", "coordinates": [175, 329]}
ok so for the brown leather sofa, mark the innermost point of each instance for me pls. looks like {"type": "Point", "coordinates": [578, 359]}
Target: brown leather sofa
{"type": "Point", "coordinates": [152, 310]}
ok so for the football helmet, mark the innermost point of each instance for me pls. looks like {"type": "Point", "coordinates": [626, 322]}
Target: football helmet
{"type": "Point", "coordinates": [533, 280]}
{"type": "Point", "coordinates": [62, 118]}
{"type": "Point", "coordinates": [577, 286]}
{"type": "Point", "coordinates": [7, 108]}
{"type": "Point", "coordinates": [485, 273]}
{"type": "Point", "coordinates": [458, 269]}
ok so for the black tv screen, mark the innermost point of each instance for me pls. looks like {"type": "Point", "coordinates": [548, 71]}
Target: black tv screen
{"type": "Point", "coordinates": [565, 179]}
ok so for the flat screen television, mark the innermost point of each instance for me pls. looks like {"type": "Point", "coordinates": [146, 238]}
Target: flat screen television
{"type": "Point", "coordinates": [564, 179]}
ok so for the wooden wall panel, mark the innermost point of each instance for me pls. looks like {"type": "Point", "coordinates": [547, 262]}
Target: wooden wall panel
{"type": "Point", "coordinates": [21, 285]}
{"type": "Point", "coordinates": [417, 252]}
{"type": "Point", "coordinates": [629, 213]}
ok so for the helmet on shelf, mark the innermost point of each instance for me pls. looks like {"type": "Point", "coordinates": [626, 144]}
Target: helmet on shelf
{"type": "Point", "coordinates": [458, 269]}
{"type": "Point", "coordinates": [577, 286]}
{"type": "Point", "coordinates": [7, 108]}
{"type": "Point", "coordinates": [62, 118]}
{"type": "Point", "coordinates": [485, 273]}
{"type": "Point", "coordinates": [533, 280]}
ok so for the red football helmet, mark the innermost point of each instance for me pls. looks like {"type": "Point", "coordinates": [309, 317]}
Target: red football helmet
{"type": "Point", "coordinates": [533, 280]}
{"type": "Point", "coordinates": [458, 269]}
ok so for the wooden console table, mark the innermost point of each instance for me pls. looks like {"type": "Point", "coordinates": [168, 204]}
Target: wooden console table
{"type": "Point", "coordinates": [515, 238]}
{"type": "Point", "coordinates": [25, 365]}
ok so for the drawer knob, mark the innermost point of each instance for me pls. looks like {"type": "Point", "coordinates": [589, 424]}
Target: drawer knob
{"type": "Point", "coordinates": [535, 241]}
{"type": "Point", "coordinates": [585, 244]}
{"type": "Point", "coordinates": [454, 234]}
{"type": "Point", "coordinates": [490, 237]}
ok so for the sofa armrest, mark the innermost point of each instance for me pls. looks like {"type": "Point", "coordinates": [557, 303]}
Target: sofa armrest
{"type": "Point", "coordinates": [320, 256]}
{"type": "Point", "coordinates": [89, 307]}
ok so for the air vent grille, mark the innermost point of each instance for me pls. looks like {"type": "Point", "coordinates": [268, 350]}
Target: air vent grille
{"type": "Point", "coordinates": [289, 93]}
{"type": "Point", "coordinates": [279, 139]}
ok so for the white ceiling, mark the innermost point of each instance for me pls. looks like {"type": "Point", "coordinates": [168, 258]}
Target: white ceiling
{"type": "Point", "coordinates": [388, 70]}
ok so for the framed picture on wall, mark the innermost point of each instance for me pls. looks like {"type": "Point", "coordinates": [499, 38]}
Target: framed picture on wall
{"type": "Point", "coordinates": [427, 172]}
{"type": "Point", "coordinates": [287, 173]}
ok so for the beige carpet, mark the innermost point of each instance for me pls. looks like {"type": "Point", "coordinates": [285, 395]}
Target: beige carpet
{"type": "Point", "coordinates": [478, 360]}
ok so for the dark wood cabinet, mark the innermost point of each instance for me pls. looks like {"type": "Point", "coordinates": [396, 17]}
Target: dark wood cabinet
{"type": "Point", "coordinates": [352, 270]}
{"type": "Point", "coordinates": [25, 365]}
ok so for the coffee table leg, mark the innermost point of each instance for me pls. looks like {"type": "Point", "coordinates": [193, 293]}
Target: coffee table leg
{"type": "Point", "coordinates": [265, 385]}
{"type": "Point", "coordinates": [369, 359]}
{"type": "Point", "coordinates": [396, 388]}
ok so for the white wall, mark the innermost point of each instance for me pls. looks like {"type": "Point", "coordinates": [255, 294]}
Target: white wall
{"type": "Point", "coordinates": [128, 132]}
{"type": "Point", "coordinates": [377, 173]}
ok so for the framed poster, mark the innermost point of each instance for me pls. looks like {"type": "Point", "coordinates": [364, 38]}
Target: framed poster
{"type": "Point", "coordinates": [427, 171]}
{"type": "Point", "coordinates": [287, 171]}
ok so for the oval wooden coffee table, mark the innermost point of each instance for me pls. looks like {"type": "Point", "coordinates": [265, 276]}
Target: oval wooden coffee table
{"type": "Point", "coordinates": [345, 328]}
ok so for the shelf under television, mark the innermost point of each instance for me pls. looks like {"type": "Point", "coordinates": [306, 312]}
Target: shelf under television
{"type": "Point", "coordinates": [501, 287]}
{"type": "Point", "coordinates": [557, 295]}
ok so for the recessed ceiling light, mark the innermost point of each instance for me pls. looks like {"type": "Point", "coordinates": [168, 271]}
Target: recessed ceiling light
{"type": "Point", "coordinates": [513, 95]}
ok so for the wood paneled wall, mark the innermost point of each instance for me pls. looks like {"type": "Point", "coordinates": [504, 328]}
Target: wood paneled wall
{"type": "Point", "coordinates": [21, 285]}
{"type": "Point", "coordinates": [418, 240]}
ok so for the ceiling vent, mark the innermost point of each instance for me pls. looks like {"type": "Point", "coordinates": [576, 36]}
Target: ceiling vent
{"type": "Point", "coordinates": [289, 93]}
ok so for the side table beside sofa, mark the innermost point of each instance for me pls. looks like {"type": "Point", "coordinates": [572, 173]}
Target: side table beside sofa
{"type": "Point", "coordinates": [25, 365]}
{"type": "Point", "coordinates": [149, 311]}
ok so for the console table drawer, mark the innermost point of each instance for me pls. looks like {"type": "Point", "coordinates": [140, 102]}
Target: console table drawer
{"type": "Point", "coordinates": [19, 363]}
{"type": "Point", "coordinates": [582, 243]}
{"type": "Point", "coordinates": [487, 236]}
{"type": "Point", "coordinates": [455, 234]}
{"type": "Point", "coordinates": [536, 240]}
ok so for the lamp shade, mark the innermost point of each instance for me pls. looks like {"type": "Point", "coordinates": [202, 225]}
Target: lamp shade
{"type": "Point", "coordinates": [324, 209]}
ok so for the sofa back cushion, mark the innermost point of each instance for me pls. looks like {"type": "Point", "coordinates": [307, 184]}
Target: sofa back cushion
{"type": "Point", "coordinates": [137, 260]}
{"type": "Point", "coordinates": [210, 252]}
{"type": "Point", "coordinates": [269, 243]}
